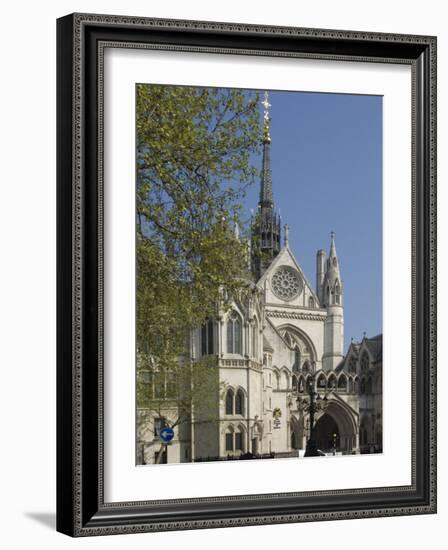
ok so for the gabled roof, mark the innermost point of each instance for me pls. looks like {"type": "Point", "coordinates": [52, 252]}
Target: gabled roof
{"type": "Point", "coordinates": [375, 346]}
{"type": "Point", "coordinates": [277, 261]}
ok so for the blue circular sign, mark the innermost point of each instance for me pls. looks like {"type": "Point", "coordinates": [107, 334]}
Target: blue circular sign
{"type": "Point", "coordinates": [166, 434]}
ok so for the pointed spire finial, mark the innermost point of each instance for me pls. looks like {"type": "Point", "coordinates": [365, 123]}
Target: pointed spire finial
{"type": "Point", "coordinates": [332, 245]}
{"type": "Point", "coordinates": [286, 234]}
{"type": "Point", "coordinates": [266, 119]}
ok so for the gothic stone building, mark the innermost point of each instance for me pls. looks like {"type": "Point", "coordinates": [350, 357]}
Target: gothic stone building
{"type": "Point", "coordinates": [284, 335]}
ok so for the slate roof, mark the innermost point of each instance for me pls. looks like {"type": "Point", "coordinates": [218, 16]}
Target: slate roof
{"type": "Point", "coordinates": [375, 346]}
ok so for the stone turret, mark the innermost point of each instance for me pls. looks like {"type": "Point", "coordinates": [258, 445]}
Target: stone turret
{"type": "Point", "coordinates": [332, 300]}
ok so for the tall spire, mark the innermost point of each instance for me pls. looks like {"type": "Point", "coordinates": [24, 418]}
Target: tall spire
{"type": "Point", "coordinates": [266, 198]}
{"type": "Point", "coordinates": [266, 229]}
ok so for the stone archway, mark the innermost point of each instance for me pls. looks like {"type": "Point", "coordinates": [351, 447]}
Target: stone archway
{"type": "Point", "coordinates": [327, 434]}
{"type": "Point", "coordinates": [338, 425]}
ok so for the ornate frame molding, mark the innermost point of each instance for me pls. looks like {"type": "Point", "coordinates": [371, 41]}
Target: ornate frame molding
{"type": "Point", "coordinates": [81, 42]}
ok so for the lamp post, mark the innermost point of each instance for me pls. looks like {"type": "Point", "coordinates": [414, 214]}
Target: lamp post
{"type": "Point", "coordinates": [311, 404]}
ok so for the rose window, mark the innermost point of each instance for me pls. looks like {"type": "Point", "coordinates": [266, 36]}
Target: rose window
{"type": "Point", "coordinates": [286, 283]}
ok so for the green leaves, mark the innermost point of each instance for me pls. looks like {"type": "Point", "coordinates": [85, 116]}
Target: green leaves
{"type": "Point", "coordinates": [193, 165]}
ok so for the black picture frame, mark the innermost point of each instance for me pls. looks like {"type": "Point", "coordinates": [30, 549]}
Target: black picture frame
{"type": "Point", "coordinates": [81, 510]}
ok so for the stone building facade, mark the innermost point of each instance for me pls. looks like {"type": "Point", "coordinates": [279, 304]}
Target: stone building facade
{"type": "Point", "coordinates": [273, 342]}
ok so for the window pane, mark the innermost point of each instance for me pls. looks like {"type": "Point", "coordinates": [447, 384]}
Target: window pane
{"type": "Point", "coordinates": [229, 442]}
{"type": "Point", "coordinates": [239, 441]}
{"type": "Point", "coordinates": [237, 336]}
{"type": "Point", "coordinates": [239, 408]}
{"type": "Point", "coordinates": [229, 336]}
{"type": "Point", "coordinates": [210, 338]}
{"type": "Point", "coordinates": [229, 402]}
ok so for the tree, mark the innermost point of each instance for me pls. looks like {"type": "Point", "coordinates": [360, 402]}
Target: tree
{"type": "Point", "coordinates": [194, 148]}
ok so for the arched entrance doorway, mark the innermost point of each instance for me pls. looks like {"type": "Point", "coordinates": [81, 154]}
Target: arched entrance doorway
{"type": "Point", "coordinates": [338, 424]}
{"type": "Point", "coordinates": [327, 433]}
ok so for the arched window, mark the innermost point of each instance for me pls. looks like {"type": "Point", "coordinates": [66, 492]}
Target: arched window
{"type": "Point", "coordinates": [310, 301]}
{"type": "Point", "coordinates": [337, 293]}
{"type": "Point", "coordinates": [301, 385]}
{"type": "Point", "coordinates": [342, 383]}
{"type": "Point", "coordinates": [234, 333]}
{"type": "Point", "coordinates": [207, 333]}
{"type": "Point", "coordinates": [352, 364]}
{"type": "Point", "coordinates": [332, 381]}
{"type": "Point", "coordinates": [239, 439]}
{"type": "Point", "coordinates": [229, 439]}
{"type": "Point", "coordinates": [297, 359]}
{"type": "Point", "coordinates": [294, 383]}
{"type": "Point", "coordinates": [306, 367]}
{"type": "Point", "coordinates": [321, 382]}
{"type": "Point", "coordinates": [363, 386]}
{"type": "Point", "coordinates": [255, 338]}
{"type": "Point", "coordinates": [239, 402]}
{"type": "Point", "coordinates": [277, 381]}
{"type": "Point", "coordinates": [229, 402]}
{"type": "Point", "coordinates": [364, 361]}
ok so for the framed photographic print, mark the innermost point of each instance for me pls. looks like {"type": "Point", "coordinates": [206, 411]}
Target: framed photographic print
{"type": "Point", "coordinates": [246, 274]}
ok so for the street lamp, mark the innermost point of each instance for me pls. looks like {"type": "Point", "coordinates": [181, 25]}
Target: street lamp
{"type": "Point", "coordinates": [311, 405]}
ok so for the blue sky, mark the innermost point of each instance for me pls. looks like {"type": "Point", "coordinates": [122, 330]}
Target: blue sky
{"type": "Point", "coordinates": [326, 157]}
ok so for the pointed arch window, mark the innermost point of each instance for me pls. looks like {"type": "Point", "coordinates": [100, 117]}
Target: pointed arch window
{"type": "Point", "coordinates": [239, 439]}
{"type": "Point", "coordinates": [310, 301]}
{"type": "Point", "coordinates": [337, 292]}
{"type": "Point", "coordinates": [322, 382]}
{"type": "Point", "coordinates": [207, 337]}
{"type": "Point", "coordinates": [342, 383]}
{"type": "Point", "coordinates": [363, 386]}
{"type": "Point", "coordinates": [364, 361]}
{"type": "Point", "coordinates": [352, 364]}
{"type": "Point", "coordinates": [229, 439]}
{"type": "Point", "coordinates": [297, 359]}
{"type": "Point", "coordinates": [255, 338]}
{"type": "Point", "coordinates": [294, 383]}
{"type": "Point", "coordinates": [239, 402]}
{"type": "Point", "coordinates": [234, 333]}
{"type": "Point", "coordinates": [229, 402]}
